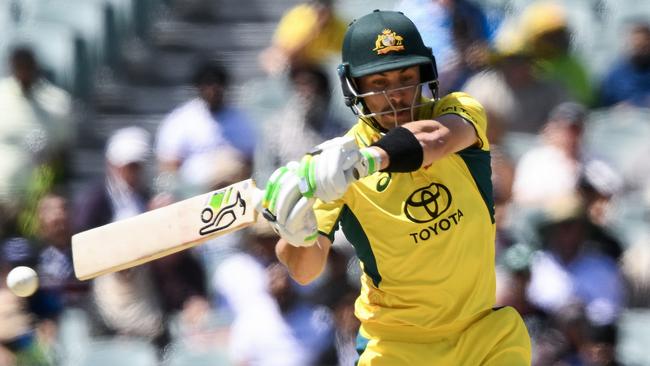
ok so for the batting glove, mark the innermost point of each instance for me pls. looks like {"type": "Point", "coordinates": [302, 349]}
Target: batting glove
{"type": "Point", "coordinates": [289, 212]}
{"type": "Point", "coordinates": [328, 171]}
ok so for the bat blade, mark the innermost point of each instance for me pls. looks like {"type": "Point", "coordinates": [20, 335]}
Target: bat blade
{"type": "Point", "coordinates": [164, 231]}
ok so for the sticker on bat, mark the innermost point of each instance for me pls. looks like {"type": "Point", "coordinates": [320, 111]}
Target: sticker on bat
{"type": "Point", "coordinates": [226, 215]}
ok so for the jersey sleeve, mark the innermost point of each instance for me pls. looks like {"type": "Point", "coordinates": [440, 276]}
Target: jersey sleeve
{"type": "Point", "coordinates": [463, 105]}
{"type": "Point", "coordinates": [327, 216]}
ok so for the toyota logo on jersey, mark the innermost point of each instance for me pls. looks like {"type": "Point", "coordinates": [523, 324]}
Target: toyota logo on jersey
{"type": "Point", "coordinates": [427, 203]}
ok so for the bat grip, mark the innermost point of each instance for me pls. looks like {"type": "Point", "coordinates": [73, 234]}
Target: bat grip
{"type": "Point", "coordinates": [258, 197]}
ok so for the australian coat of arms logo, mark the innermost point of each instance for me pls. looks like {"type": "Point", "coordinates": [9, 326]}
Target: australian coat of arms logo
{"type": "Point", "coordinates": [388, 41]}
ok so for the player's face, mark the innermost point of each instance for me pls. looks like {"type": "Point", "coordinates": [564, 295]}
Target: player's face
{"type": "Point", "coordinates": [397, 91]}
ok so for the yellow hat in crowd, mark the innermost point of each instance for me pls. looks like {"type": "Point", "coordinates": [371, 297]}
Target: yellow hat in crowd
{"type": "Point", "coordinates": [542, 17]}
{"type": "Point", "coordinates": [515, 36]}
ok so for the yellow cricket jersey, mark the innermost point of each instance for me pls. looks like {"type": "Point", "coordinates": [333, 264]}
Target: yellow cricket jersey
{"type": "Point", "coordinates": [425, 239]}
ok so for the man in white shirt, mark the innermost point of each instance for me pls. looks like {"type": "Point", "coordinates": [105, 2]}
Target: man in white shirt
{"type": "Point", "coordinates": [190, 136]}
{"type": "Point", "coordinates": [35, 127]}
{"type": "Point", "coordinates": [549, 173]}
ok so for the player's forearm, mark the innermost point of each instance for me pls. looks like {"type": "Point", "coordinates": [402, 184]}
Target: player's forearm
{"type": "Point", "coordinates": [437, 139]}
{"type": "Point", "coordinates": [305, 264]}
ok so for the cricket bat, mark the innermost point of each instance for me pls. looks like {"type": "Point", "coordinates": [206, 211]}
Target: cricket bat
{"type": "Point", "coordinates": [164, 231]}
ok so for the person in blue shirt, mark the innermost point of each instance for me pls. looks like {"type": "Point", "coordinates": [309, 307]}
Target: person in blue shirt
{"type": "Point", "coordinates": [628, 81]}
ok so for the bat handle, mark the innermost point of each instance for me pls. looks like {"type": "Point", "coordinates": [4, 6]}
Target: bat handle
{"type": "Point", "coordinates": [258, 197]}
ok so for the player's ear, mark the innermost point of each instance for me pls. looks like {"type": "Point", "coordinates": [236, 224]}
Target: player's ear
{"type": "Point", "coordinates": [429, 73]}
{"type": "Point", "coordinates": [347, 84]}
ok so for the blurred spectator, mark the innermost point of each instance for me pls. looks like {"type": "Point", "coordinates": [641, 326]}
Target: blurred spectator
{"type": "Point", "coordinates": [628, 81]}
{"type": "Point", "coordinates": [444, 22]}
{"type": "Point", "coordinates": [18, 251]}
{"type": "Point", "coordinates": [122, 193]}
{"type": "Point", "coordinates": [180, 279]}
{"type": "Point", "coordinates": [305, 122]}
{"type": "Point", "coordinates": [513, 279]}
{"type": "Point", "coordinates": [571, 322]}
{"type": "Point", "coordinates": [503, 171]}
{"type": "Point", "coordinates": [20, 341]}
{"type": "Point", "coordinates": [599, 347]}
{"type": "Point", "coordinates": [598, 184]}
{"type": "Point", "coordinates": [35, 136]}
{"type": "Point", "coordinates": [347, 328]}
{"type": "Point", "coordinates": [548, 174]}
{"type": "Point", "coordinates": [545, 29]}
{"type": "Point", "coordinates": [55, 260]}
{"type": "Point", "coordinates": [514, 98]}
{"type": "Point", "coordinates": [311, 325]}
{"type": "Point", "coordinates": [271, 325]}
{"type": "Point", "coordinates": [568, 271]}
{"type": "Point", "coordinates": [248, 264]}
{"type": "Point", "coordinates": [635, 264]}
{"type": "Point", "coordinates": [127, 302]}
{"type": "Point", "coordinates": [308, 34]}
{"type": "Point", "coordinates": [19, 344]}
{"type": "Point", "coordinates": [259, 335]}
{"type": "Point", "coordinates": [43, 304]}
{"type": "Point", "coordinates": [55, 268]}
{"type": "Point", "coordinates": [338, 290]}
{"type": "Point", "coordinates": [471, 49]}
{"type": "Point", "coordinates": [190, 136]}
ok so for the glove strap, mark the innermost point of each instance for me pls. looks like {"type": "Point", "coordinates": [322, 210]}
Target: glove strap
{"type": "Point", "coordinates": [307, 184]}
{"type": "Point", "coordinates": [371, 160]}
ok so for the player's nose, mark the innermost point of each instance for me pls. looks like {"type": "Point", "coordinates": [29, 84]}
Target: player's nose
{"type": "Point", "coordinates": [395, 95]}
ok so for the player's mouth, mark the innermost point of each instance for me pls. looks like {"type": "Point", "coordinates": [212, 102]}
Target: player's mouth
{"type": "Point", "coordinates": [401, 116]}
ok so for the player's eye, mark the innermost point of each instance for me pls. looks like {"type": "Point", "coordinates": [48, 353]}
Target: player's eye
{"type": "Point", "coordinates": [378, 84]}
{"type": "Point", "coordinates": [407, 80]}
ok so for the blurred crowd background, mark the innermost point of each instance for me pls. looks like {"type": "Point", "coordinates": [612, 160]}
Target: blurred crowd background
{"type": "Point", "coordinates": [109, 108]}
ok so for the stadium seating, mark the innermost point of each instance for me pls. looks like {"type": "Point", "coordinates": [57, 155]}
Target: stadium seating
{"type": "Point", "coordinates": [87, 18]}
{"type": "Point", "coordinates": [609, 129]}
{"type": "Point", "coordinates": [200, 344]}
{"type": "Point", "coordinates": [183, 357]}
{"type": "Point", "coordinates": [74, 336]}
{"type": "Point", "coordinates": [6, 25]}
{"type": "Point", "coordinates": [634, 337]}
{"type": "Point", "coordinates": [351, 9]}
{"type": "Point", "coordinates": [516, 144]}
{"type": "Point", "coordinates": [124, 16]}
{"type": "Point", "coordinates": [98, 28]}
{"type": "Point", "coordinates": [118, 351]}
{"type": "Point", "coordinates": [56, 48]}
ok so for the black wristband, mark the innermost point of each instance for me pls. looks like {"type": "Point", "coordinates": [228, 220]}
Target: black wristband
{"type": "Point", "coordinates": [404, 151]}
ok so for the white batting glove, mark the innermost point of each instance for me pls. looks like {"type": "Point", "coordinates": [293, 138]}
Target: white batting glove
{"type": "Point", "coordinates": [327, 173]}
{"type": "Point", "coordinates": [290, 213]}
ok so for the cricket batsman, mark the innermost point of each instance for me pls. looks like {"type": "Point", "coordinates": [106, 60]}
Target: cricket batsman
{"type": "Point", "coordinates": [410, 187]}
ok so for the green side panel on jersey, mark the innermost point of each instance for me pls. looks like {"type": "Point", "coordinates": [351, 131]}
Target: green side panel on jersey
{"type": "Point", "coordinates": [478, 163]}
{"type": "Point", "coordinates": [355, 234]}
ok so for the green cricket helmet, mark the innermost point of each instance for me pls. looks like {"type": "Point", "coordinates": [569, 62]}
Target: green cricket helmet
{"type": "Point", "coordinates": [379, 42]}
